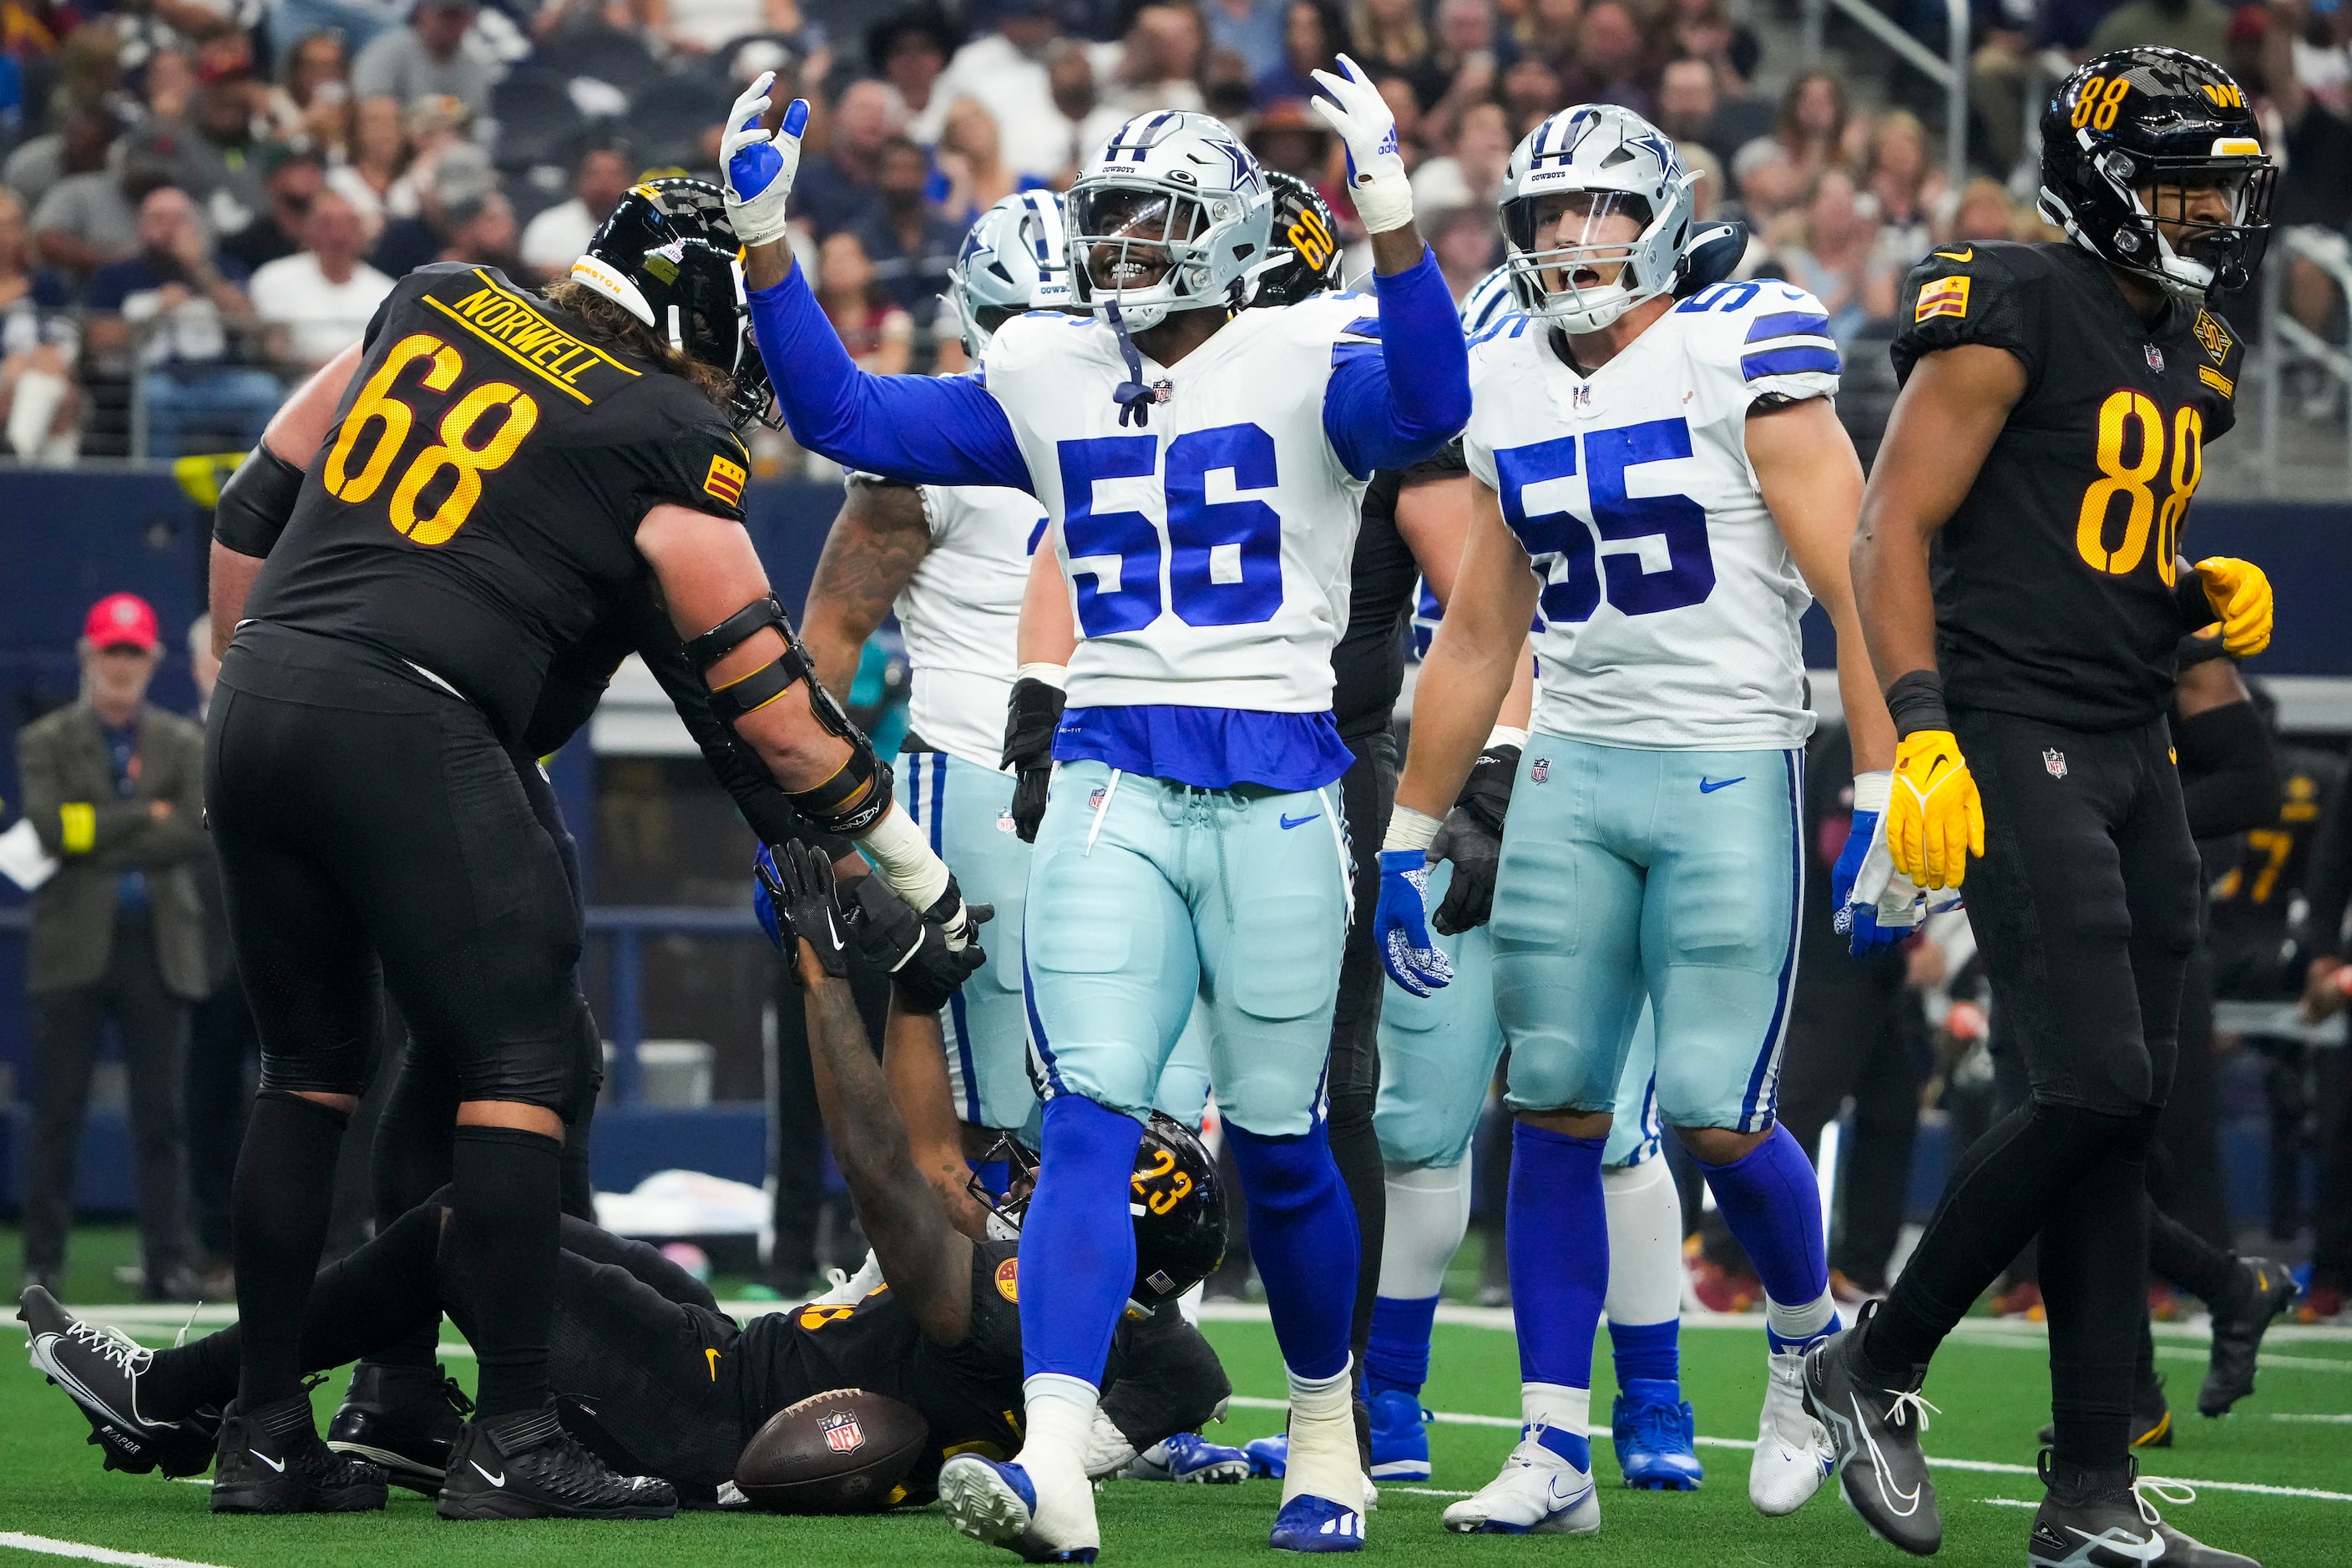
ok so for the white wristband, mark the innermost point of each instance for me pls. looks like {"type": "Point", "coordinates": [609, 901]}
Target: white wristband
{"type": "Point", "coordinates": [1056, 676]}
{"type": "Point", "coordinates": [1410, 829]}
{"type": "Point", "coordinates": [1383, 200]}
{"type": "Point", "coordinates": [1506, 735]}
{"type": "Point", "coordinates": [1873, 790]}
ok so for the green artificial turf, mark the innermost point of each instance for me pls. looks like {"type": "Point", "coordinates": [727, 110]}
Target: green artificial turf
{"type": "Point", "coordinates": [1991, 1383]}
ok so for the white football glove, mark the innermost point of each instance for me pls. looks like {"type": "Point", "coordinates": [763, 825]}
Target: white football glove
{"type": "Point", "coordinates": [1376, 177]}
{"type": "Point", "coordinates": [759, 168]}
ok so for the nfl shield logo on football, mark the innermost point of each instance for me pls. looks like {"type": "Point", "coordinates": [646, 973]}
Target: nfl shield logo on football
{"type": "Point", "coordinates": [2055, 761]}
{"type": "Point", "coordinates": [843, 1435]}
{"type": "Point", "coordinates": [2155, 358]}
{"type": "Point", "coordinates": [1539, 770]}
{"type": "Point", "coordinates": [1094, 797]}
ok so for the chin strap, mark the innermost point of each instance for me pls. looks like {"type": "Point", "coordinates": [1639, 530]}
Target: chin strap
{"type": "Point", "coordinates": [1134, 398]}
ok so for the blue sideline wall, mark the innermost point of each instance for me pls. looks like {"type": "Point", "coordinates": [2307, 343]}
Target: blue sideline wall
{"type": "Point", "coordinates": [66, 539]}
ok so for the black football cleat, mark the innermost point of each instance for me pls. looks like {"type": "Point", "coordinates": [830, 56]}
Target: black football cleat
{"type": "Point", "coordinates": [2151, 1424]}
{"type": "Point", "coordinates": [2106, 1522]}
{"type": "Point", "coordinates": [99, 1370]}
{"type": "Point", "coordinates": [1882, 1474]}
{"type": "Point", "coordinates": [525, 1466]}
{"type": "Point", "coordinates": [272, 1462]}
{"type": "Point", "coordinates": [402, 1418]}
{"type": "Point", "coordinates": [2265, 1292]}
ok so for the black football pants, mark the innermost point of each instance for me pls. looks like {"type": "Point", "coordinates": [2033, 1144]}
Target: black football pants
{"type": "Point", "coordinates": [2084, 906]}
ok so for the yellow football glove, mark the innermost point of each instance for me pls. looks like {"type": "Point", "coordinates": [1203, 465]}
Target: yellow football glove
{"type": "Point", "coordinates": [1935, 820]}
{"type": "Point", "coordinates": [2241, 597]}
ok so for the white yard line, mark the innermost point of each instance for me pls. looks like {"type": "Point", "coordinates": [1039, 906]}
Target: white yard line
{"type": "Point", "coordinates": [1747, 1445]}
{"type": "Point", "coordinates": [47, 1547]}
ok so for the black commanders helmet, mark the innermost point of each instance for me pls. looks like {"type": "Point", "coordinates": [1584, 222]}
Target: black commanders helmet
{"type": "Point", "coordinates": [2128, 135]}
{"type": "Point", "coordinates": [1306, 257]}
{"type": "Point", "coordinates": [1174, 1194]}
{"type": "Point", "coordinates": [669, 257]}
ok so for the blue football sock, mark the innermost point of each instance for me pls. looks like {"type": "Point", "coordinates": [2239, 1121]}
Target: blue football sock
{"type": "Point", "coordinates": [1398, 1354]}
{"type": "Point", "coordinates": [1772, 1202]}
{"type": "Point", "coordinates": [1652, 1352]}
{"type": "Point", "coordinates": [1303, 1239]}
{"type": "Point", "coordinates": [1077, 1243]}
{"type": "Point", "coordinates": [1556, 1232]}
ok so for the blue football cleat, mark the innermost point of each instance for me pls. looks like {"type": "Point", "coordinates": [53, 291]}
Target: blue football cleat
{"type": "Point", "coordinates": [1400, 1440]}
{"type": "Point", "coordinates": [1655, 1434]}
{"type": "Point", "coordinates": [1310, 1523]}
{"type": "Point", "coordinates": [1268, 1457]}
{"type": "Point", "coordinates": [1189, 1456]}
{"type": "Point", "coordinates": [996, 1504]}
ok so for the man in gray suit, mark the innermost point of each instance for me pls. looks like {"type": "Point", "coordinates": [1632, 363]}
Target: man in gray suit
{"type": "Point", "coordinates": [115, 789]}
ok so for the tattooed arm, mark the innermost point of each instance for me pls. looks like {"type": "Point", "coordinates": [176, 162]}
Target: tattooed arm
{"type": "Point", "coordinates": [880, 537]}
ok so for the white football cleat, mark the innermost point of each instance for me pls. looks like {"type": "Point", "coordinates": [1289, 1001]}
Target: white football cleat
{"type": "Point", "coordinates": [1538, 1493]}
{"type": "Point", "coordinates": [1793, 1452]}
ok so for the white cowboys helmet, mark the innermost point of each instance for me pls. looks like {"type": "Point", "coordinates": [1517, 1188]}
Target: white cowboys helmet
{"type": "Point", "coordinates": [1015, 258]}
{"type": "Point", "coordinates": [1173, 191]}
{"type": "Point", "coordinates": [1625, 165]}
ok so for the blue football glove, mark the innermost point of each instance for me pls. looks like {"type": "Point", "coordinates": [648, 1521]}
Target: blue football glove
{"type": "Point", "coordinates": [759, 167]}
{"type": "Point", "coordinates": [1400, 924]}
{"type": "Point", "coordinates": [1866, 844]}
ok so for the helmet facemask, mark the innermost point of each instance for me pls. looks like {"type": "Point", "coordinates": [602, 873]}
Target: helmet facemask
{"type": "Point", "coordinates": [2192, 256]}
{"type": "Point", "coordinates": [1138, 248]}
{"type": "Point", "coordinates": [1582, 283]}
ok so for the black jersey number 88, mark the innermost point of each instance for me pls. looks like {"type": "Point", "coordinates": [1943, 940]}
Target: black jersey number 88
{"type": "Point", "coordinates": [2123, 410]}
{"type": "Point", "coordinates": [455, 450]}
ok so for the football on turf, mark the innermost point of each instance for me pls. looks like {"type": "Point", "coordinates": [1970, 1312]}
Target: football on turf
{"type": "Point", "coordinates": [846, 1451]}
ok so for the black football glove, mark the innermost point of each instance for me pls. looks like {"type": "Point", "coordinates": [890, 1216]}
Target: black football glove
{"type": "Point", "coordinates": [913, 950]}
{"type": "Point", "coordinates": [1472, 838]}
{"type": "Point", "coordinates": [802, 906]}
{"type": "Point", "coordinates": [1030, 720]}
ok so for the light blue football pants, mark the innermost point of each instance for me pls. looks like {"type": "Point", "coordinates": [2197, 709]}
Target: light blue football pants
{"type": "Point", "coordinates": [1146, 897]}
{"type": "Point", "coordinates": [1670, 878]}
{"type": "Point", "coordinates": [1438, 1053]}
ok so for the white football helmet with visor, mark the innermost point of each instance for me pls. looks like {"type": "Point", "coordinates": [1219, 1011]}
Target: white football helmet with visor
{"type": "Point", "coordinates": [1595, 161]}
{"type": "Point", "coordinates": [1171, 215]}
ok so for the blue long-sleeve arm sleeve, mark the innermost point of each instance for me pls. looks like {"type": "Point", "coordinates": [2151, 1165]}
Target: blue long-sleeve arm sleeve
{"type": "Point", "coordinates": [922, 429]}
{"type": "Point", "coordinates": [1391, 406]}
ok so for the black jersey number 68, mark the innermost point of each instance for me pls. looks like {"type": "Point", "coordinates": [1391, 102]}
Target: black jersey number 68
{"type": "Point", "coordinates": [456, 449]}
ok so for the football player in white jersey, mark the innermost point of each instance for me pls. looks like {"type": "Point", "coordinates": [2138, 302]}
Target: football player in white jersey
{"type": "Point", "coordinates": [1199, 471]}
{"type": "Point", "coordinates": [1675, 476]}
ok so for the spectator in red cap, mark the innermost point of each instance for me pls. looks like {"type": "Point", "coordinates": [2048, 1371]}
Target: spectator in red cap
{"type": "Point", "coordinates": [115, 789]}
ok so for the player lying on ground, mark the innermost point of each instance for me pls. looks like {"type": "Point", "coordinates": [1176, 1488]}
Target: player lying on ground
{"type": "Point", "coordinates": [2048, 392]}
{"type": "Point", "coordinates": [1677, 479]}
{"type": "Point", "coordinates": [1199, 745]}
{"type": "Point", "coordinates": [653, 1376]}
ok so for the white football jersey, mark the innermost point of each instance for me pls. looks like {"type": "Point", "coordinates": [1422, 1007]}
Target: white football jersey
{"type": "Point", "coordinates": [1207, 552]}
{"type": "Point", "coordinates": [1670, 604]}
{"type": "Point", "coordinates": [960, 615]}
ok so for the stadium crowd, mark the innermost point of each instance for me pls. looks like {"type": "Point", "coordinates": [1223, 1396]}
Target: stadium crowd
{"type": "Point", "coordinates": [205, 198]}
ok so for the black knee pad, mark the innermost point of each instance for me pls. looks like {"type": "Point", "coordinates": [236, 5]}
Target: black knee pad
{"type": "Point", "coordinates": [340, 1069]}
{"type": "Point", "coordinates": [542, 1072]}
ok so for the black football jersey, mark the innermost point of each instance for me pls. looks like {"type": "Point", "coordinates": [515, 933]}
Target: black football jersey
{"type": "Point", "coordinates": [474, 510]}
{"type": "Point", "coordinates": [2054, 580]}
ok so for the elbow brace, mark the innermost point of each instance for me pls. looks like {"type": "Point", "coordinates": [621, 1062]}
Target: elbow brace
{"type": "Point", "coordinates": [255, 502]}
{"type": "Point", "coordinates": [857, 796]}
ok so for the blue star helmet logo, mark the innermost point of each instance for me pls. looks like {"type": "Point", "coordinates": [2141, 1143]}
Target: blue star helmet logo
{"type": "Point", "coordinates": [1245, 174]}
{"type": "Point", "coordinates": [1659, 147]}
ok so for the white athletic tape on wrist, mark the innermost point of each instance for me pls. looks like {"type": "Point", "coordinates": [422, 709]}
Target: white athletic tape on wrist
{"type": "Point", "coordinates": [1383, 200]}
{"type": "Point", "coordinates": [1506, 735]}
{"type": "Point", "coordinates": [1873, 790]}
{"type": "Point", "coordinates": [1410, 829]}
{"type": "Point", "coordinates": [1056, 676]}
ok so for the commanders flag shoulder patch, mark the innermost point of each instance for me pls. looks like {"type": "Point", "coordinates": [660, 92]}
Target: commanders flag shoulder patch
{"type": "Point", "coordinates": [1944, 297]}
{"type": "Point", "coordinates": [725, 480]}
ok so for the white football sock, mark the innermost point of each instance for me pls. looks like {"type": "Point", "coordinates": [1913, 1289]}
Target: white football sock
{"type": "Point", "coordinates": [1061, 1412]}
{"type": "Point", "coordinates": [1556, 1406]}
{"type": "Point", "coordinates": [1808, 1320]}
{"type": "Point", "coordinates": [1645, 1243]}
{"type": "Point", "coordinates": [1429, 1211]}
{"type": "Point", "coordinates": [1323, 1461]}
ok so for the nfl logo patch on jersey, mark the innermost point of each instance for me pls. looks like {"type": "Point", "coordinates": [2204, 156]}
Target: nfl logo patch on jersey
{"type": "Point", "coordinates": [1944, 297]}
{"type": "Point", "coordinates": [2053, 759]}
{"type": "Point", "coordinates": [1582, 396]}
{"type": "Point", "coordinates": [843, 1435]}
{"type": "Point", "coordinates": [1094, 797]}
{"type": "Point", "coordinates": [725, 480]}
{"type": "Point", "coordinates": [1162, 389]}
{"type": "Point", "coordinates": [1539, 770]}
{"type": "Point", "coordinates": [2155, 358]}
{"type": "Point", "coordinates": [1005, 823]}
